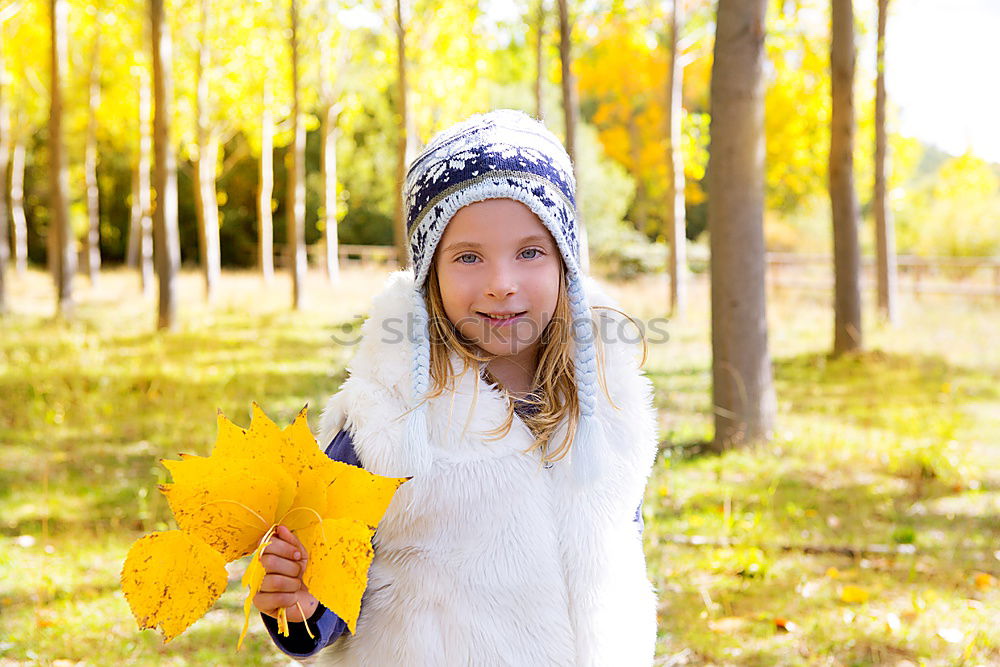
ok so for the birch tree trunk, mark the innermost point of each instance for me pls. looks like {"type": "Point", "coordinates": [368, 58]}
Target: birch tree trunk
{"type": "Point", "coordinates": [166, 242]}
{"type": "Point", "coordinates": [92, 239]}
{"type": "Point", "coordinates": [17, 206]}
{"type": "Point", "coordinates": [265, 224]}
{"type": "Point", "coordinates": [402, 147]}
{"type": "Point", "coordinates": [328, 151]}
{"type": "Point", "coordinates": [145, 198]}
{"type": "Point", "coordinates": [539, 59]}
{"type": "Point", "coordinates": [843, 198]}
{"type": "Point", "coordinates": [570, 115]}
{"type": "Point", "coordinates": [329, 158]}
{"type": "Point", "coordinates": [885, 237]}
{"type": "Point", "coordinates": [296, 178]}
{"type": "Point", "coordinates": [742, 388]}
{"type": "Point", "coordinates": [64, 256]}
{"type": "Point", "coordinates": [635, 156]}
{"type": "Point", "coordinates": [674, 220]}
{"type": "Point", "coordinates": [5, 149]}
{"type": "Point", "coordinates": [206, 202]}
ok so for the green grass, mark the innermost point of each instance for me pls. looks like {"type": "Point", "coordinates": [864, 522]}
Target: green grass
{"type": "Point", "coordinates": [897, 446]}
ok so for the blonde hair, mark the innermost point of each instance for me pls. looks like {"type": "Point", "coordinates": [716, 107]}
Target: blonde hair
{"type": "Point", "coordinates": [554, 389]}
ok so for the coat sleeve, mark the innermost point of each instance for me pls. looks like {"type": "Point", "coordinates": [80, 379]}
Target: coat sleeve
{"type": "Point", "coordinates": [326, 626]}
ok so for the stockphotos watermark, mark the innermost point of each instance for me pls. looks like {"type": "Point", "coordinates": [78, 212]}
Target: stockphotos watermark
{"type": "Point", "coordinates": [395, 330]}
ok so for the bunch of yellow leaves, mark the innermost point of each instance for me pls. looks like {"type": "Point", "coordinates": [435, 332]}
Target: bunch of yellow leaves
{"type": "Point", "coordinates": [229, 504]}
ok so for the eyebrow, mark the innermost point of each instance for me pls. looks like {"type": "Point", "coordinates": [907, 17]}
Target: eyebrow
{"type": "Point", "coordinates": [535, 238]}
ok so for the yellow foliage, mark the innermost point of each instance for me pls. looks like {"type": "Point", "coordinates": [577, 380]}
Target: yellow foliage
{"type": "Point", "coordinates": [228, 504]}
{"type": "Point", "coordinates": [853, 594]}
{"type": "Point", "coordinates": [171, 579]}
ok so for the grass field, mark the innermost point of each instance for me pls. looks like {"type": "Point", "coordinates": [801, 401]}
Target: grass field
{"type": "Point", "coordinates": [866, 533]}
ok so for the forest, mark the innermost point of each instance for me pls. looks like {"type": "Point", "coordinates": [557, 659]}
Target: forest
{"type": "Point", "coordinates": [198, 200]}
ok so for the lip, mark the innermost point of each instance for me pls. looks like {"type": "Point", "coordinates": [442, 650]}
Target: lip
{"type": "Point", "coordinates": [496, 322]}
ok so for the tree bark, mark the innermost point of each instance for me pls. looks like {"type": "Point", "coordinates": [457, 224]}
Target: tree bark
{"type": "Point", "coordinates": [17, 206]}
{"type": "Point", "coordinates": [296, 177]}
{"type": "Point", "coordinates": [635, 156]}
{"type": "Point", "coordinates": [206, 202]}
{"type": "Point", "coordinates": [328, 149]}
{"type": "Point", "coordinates": [5, 150]}
{"type": "Point", "coordinates": [403, 145]}
{"type": "Point", "coordinates": [64, 263]}
{"type": "Point", "coordinates": [885, 238]}
{"type": "Point", "coordinates": [166, 241]}
{"type": "Point", "coordinates": [674, 220]}
{"type": "Point", "coordinates": [145, 194]}
{"type": "Point", "coordinates": [570, 115]}
{"type": "Point", "coordinates": [92, 239]}
{"type": "Point", "coordinates": [539, 59]}
{"type": "Point", "coordinates": [329, 157]}
{"type": "Point", "coordinates": [843, 198]}
{"type": "Point", "coordinates": [265, 224]}
{"type": "Point", "coordinates": [742, 387]}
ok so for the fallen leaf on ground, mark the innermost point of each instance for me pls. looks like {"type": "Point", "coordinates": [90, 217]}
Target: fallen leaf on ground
{"type": "Point", "coordinates": [853, 594]}
{"type": "Point", "coordinates": [985, 581]}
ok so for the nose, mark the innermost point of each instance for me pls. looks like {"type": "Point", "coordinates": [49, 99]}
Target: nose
{"type": "Point", "coordinates": [502, 281]}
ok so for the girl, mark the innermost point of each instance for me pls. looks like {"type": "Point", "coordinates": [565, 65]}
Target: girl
{"type": "Point", "coordinates": [517, 540]}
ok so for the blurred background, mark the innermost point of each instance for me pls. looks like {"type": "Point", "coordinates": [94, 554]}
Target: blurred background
{"type": "Point", "coordinates": [198, 199]}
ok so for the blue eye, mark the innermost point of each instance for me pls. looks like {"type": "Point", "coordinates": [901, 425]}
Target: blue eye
{"type": "Point", "coordinates": [533, 250]}
{"type": "Point", "coordinates": [462, 258]}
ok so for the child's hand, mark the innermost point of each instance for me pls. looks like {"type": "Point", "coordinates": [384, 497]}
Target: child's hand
{"type": "Point", "coordinates": [284, 561]}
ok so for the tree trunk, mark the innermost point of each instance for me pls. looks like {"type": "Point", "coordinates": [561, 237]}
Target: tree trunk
{"type": "Point", "coordinates": [329, 157]}
{"type": "Point", "coordinates": [328, 150]}
{"type": "Point", "coordinates": [675, 216]}
{"type": "Point", "coordinates": [885, 238]}
{"type": "Point", "coordinates": [539, 59]}
{"type": "Point", "coordinates": [742, 388]}
{"type": "Point", "coordinates": [402, 147]}
{"type": "Point", "coordinates": [134, 218]}
{"type": "Point", "coordinates": [166, 241]}
{"type": "Point", "coordinates": [92, 239]}
{"type": "Point", "coordinates": [570, 115]}
{"type": "Point", "coordinates": [206, 202]}
{"type": "Point", "coordinates": [635, 156]}
{"type": "Point", "coordinates": [64, 262]}
{"type": "Point", "coordinates": [5, 149]}
{"type": "Point", "coordinates": [17, 206]}
{"type": "Point", "coordinates": [145, 198]}
{"type": "Point", "coordinates": [296, 206]}
{"type": "Point", "coordinates": [844, 201]}
{"type": "Point", "coordinates": [265, 224]}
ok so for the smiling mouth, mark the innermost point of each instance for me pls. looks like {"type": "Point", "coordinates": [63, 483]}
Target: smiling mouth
{"type": "Point", "coordinates": [500, 318]}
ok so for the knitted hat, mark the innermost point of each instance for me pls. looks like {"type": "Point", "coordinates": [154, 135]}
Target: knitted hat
{"type": "Point", "coordinates": [503, 154]}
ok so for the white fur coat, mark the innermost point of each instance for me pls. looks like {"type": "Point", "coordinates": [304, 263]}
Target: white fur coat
{"type": "Point", "coordinates": [491, 559]}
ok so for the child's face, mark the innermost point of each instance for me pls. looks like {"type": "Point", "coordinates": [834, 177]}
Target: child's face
{"type": "Point", "coordinates": [497, 258]}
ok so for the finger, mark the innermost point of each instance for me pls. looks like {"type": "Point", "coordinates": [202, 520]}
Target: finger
{"type": "Point", "coordinates": [270, 603]}
{"type": "Point", "coordinates": [278, 565]}
{"type": "Point", "coordinates": [279, 583]}
{"type": "Point", "coordinates": [283, 549]}
{"type": "Point", "coordinates": [289, 537]}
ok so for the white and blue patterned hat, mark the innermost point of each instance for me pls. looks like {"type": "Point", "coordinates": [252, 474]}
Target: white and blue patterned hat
{"type": "Point", "coordinates": [503, 154]}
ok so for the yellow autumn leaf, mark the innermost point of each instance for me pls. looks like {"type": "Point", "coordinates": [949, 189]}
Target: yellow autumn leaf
{"type": "Point", "coordinates": [357, 494]}
{"type": "Point", "coordinates": [256, 479]}
{"type": "Point", "coordinates": [229, 503]}
{"type": "Point", "coordinates": [985, 581]}
{"type": "Point", "coordinates": [340, 553]}
{"type": "Point", "coordinates": [853, 594]}
{"type": "Point", "coordinates": [170, 579]}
